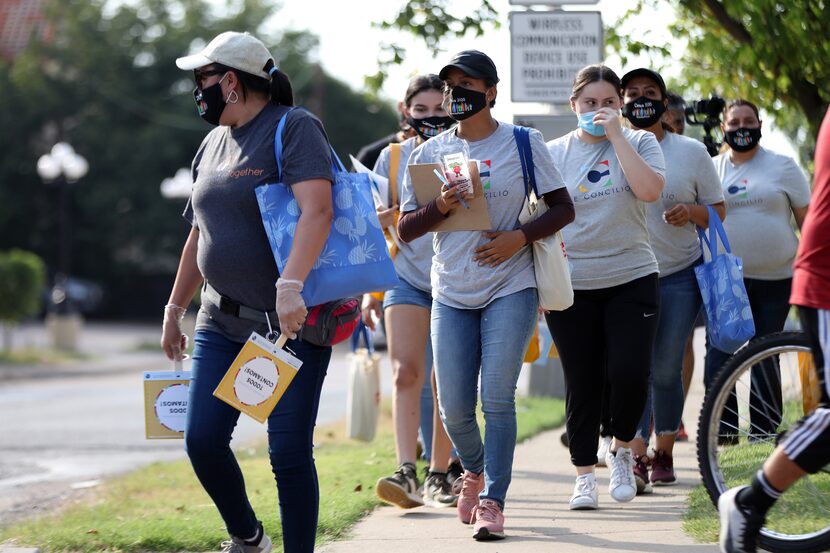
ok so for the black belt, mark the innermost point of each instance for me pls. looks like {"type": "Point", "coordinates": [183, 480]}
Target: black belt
{"type": "Point", "coordinates": [236, 309]}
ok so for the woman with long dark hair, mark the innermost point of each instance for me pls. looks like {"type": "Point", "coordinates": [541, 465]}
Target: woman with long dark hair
{"type": "Point", "coordinates": [242, 92]}
{"type": "Point", "coordinates": [764, 192]}
{"type": "Point", "coordinates": [406, 310]}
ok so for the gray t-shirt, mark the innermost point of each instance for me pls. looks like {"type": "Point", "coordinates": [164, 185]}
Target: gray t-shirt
{"type": "Point", "coordinates": [413, 261]}
{"type": "Point", "coordinates": [233, 251]}
{"type": "Point", "coordinates": [608, 242]}
{"type": "Point", "coordinates": [760, 195]}
{"type": "Point", "coordinates": [690, 179]}
{"type": "Point", "coordinates": [457, 280]}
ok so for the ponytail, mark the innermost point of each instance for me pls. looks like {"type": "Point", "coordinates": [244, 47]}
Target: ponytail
{"type": "Point", "coordinates": [280, 91]}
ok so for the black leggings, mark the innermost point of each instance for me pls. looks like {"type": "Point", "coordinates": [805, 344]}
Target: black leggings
{"type": "Point", "coordinates": [605, 339]}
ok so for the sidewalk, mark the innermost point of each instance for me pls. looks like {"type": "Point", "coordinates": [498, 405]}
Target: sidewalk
{"type": "Point", "coordinates": [537, 517]}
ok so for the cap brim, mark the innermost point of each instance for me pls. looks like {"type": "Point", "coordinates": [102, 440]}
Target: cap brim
{"type": "Point", "coordinates": [193, 62]}
{"type": "Point", "coordinates": [643, 72]}
{"type": "Point", "coordinates": [460, 66]}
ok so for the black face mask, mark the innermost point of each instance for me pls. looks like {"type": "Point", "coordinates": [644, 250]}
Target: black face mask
{"type": "Point", "coordinates": [463, 103]}
{"type": "Point", "coordinates": [430, 126]}
{"type": "Point", "coordinates": [743, 139]}
{"type": "Point", "coordinates": [210, 103]}
{"type": "Point", "coordinates": [643, 112]}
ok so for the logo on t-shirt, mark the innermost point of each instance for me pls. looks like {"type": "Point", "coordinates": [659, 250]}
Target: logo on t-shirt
{"type": "Point", "coordinates": [595, 175]}
{"type": "Point", "coordinates": [739, 191]}
{"type": "Point", "coordinates": [484, 172]}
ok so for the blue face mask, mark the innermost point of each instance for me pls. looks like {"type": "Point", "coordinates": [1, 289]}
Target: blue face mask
{"type": "Point", "coordinates": [586, 122]}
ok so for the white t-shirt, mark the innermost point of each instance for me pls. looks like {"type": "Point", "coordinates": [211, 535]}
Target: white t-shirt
{"type": "Point", "coordinates": [760, 195]}
{"type": "Point", "coordinates": [414, 260]}
{"type": "Point", "coordinates": [457, 280]}
{"type": "Point", "coordinates": [690, 179]}
{"type": "Point", "coordinates": [608, 241]}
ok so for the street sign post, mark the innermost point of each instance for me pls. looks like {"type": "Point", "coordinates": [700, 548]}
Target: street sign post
{"type": "Point", "coordinates": [547, 49]}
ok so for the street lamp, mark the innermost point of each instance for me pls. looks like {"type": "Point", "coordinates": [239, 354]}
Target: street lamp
{"type": "Point", "coordinates": [63, 167]}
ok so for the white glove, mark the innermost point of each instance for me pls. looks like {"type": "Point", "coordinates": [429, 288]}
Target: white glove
{"type": "Point", "coordinates": [173, 341]}
{"type": "Point", "coordinates": [291, 309]}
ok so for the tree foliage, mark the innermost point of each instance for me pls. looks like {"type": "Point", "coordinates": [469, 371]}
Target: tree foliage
{"type": "Point", "coordinates": [105, 81]}
{"type": "Point", "coordinates": [432, 21]}
{"type": "Point", "coordinates": [773, 52]}
{"type": "Point", "coordinates": [22, 275]}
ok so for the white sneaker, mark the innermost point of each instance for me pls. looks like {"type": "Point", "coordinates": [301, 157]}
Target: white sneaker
{"type": "Point", "coordinates": [739, 527]}
{"type": "Point", "coordinates": [622, 487]}
{"type": "Point", "coordinates": [604, 448]}
{"type": "Point", "coordinates": [586, 496]}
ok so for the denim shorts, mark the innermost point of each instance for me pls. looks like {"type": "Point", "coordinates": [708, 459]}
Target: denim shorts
{"type": "Point", "coordinates": [406, 294]}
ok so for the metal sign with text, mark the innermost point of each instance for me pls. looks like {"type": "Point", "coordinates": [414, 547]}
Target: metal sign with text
{"type": "Point", "coordinates": [547, 49]}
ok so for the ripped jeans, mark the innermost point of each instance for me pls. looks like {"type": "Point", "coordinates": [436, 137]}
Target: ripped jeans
{"type": "Point", "coordinates": [680, 303]}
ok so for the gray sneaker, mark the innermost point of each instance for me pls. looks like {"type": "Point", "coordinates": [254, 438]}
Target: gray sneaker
{"type": "Point", "coordinates": [238, 545]}
{"type": "Point", "coordinates": [438, 492]}
{"type": "Point", "coordinates": [400, 489]}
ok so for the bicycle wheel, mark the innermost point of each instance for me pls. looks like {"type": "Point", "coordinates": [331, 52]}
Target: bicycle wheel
{"type": "Point", "coordinates": [756, 396]}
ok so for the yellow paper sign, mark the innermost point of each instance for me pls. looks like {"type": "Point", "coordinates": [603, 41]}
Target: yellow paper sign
{"type": "Point", "coordinates": [257, 378]}
{"type": "Point", "coordinates": [165, 404]}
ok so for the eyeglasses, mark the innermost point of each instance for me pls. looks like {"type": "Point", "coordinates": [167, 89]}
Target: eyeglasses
{"type": "Point", "coordinates": [200, 76]}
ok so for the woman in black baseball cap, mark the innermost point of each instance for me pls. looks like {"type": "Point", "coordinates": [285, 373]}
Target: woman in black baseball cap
{"type": "Point", "coordinates": [485, 302]}
{"type": "Point", "coordinates": [692, 184]}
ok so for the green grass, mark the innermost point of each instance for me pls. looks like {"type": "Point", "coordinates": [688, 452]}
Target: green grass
{"type": "Point", "coordinates": [163, 508]}
{"type": "Point", "coordinates": [34, 356]}
{"type": "Point", "coordinates": [804, 508]}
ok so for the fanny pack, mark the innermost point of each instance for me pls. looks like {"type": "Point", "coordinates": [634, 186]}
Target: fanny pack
{"type": "Point", "coordinates": [326, 324]}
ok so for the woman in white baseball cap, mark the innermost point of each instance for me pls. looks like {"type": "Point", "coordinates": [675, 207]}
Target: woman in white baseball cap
{"type": "Point", "coordinates": [240, 89]}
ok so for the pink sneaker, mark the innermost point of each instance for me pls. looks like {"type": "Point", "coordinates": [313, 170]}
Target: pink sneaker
{"type": "Point", "coordinates": [489, 521]}
{"type": "Point", "coordinates": [471, 486]}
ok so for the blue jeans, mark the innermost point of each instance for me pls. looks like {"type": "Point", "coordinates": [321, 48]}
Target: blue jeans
{"type": "Point", "coordinates": [406, 294]}
{"type": "Point", "coordinates": [210, 424]}
{"type": "Point", "coordinates": [770, 303]}
{"type": "Point", "coordinates": [490, 341]}
{"type": "Point", "coordinates": [680, 303]}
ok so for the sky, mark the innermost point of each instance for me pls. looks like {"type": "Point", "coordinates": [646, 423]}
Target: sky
{"type": "Point", "coordinates": [349, 45]}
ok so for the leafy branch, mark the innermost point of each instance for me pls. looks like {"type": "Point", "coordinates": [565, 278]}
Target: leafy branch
{"type": "Point", "coordinates": [432, 22]}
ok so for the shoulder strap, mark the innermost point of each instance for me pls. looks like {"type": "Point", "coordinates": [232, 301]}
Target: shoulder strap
{"type": "Point", "coordinates": [522, 137]}
{"type": "Point", "coordinates": [716, 231]}
{"type": "Point", "coordinates": [336, 164]}
{"type": "Point", "coordinates": [278, 143]}
{"type": "Point", "coordinates": [394, 163]}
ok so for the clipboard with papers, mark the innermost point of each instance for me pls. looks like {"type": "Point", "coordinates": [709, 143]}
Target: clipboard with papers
{"type": "Point", "coordinates": [427, 187]}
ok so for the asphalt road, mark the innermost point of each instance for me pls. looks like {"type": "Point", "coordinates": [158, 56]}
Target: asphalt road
{"type": "Point", "coordinates": [59, 436]}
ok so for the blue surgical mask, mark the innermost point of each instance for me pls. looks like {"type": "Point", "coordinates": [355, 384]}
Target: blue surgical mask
{"type": "Point", "coordinates": [586, 122]}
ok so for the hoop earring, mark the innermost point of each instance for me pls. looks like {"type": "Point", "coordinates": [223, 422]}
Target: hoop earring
{"type": "Point", "coordinates": [233, 97]}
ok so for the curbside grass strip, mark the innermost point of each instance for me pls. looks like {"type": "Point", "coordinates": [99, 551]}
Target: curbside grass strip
{"type": "Point", "coordinates": [162, 507]}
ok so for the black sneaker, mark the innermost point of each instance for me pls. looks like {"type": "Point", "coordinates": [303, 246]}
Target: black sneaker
{"type": "Point", "coordinates": [438, 491]}
{"type": "Point", "coordinates": [454, 473]}
{"type": "Point", "coordinates": [739, 526]}
{"type": "Point", "coordinates": [400, 489]}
